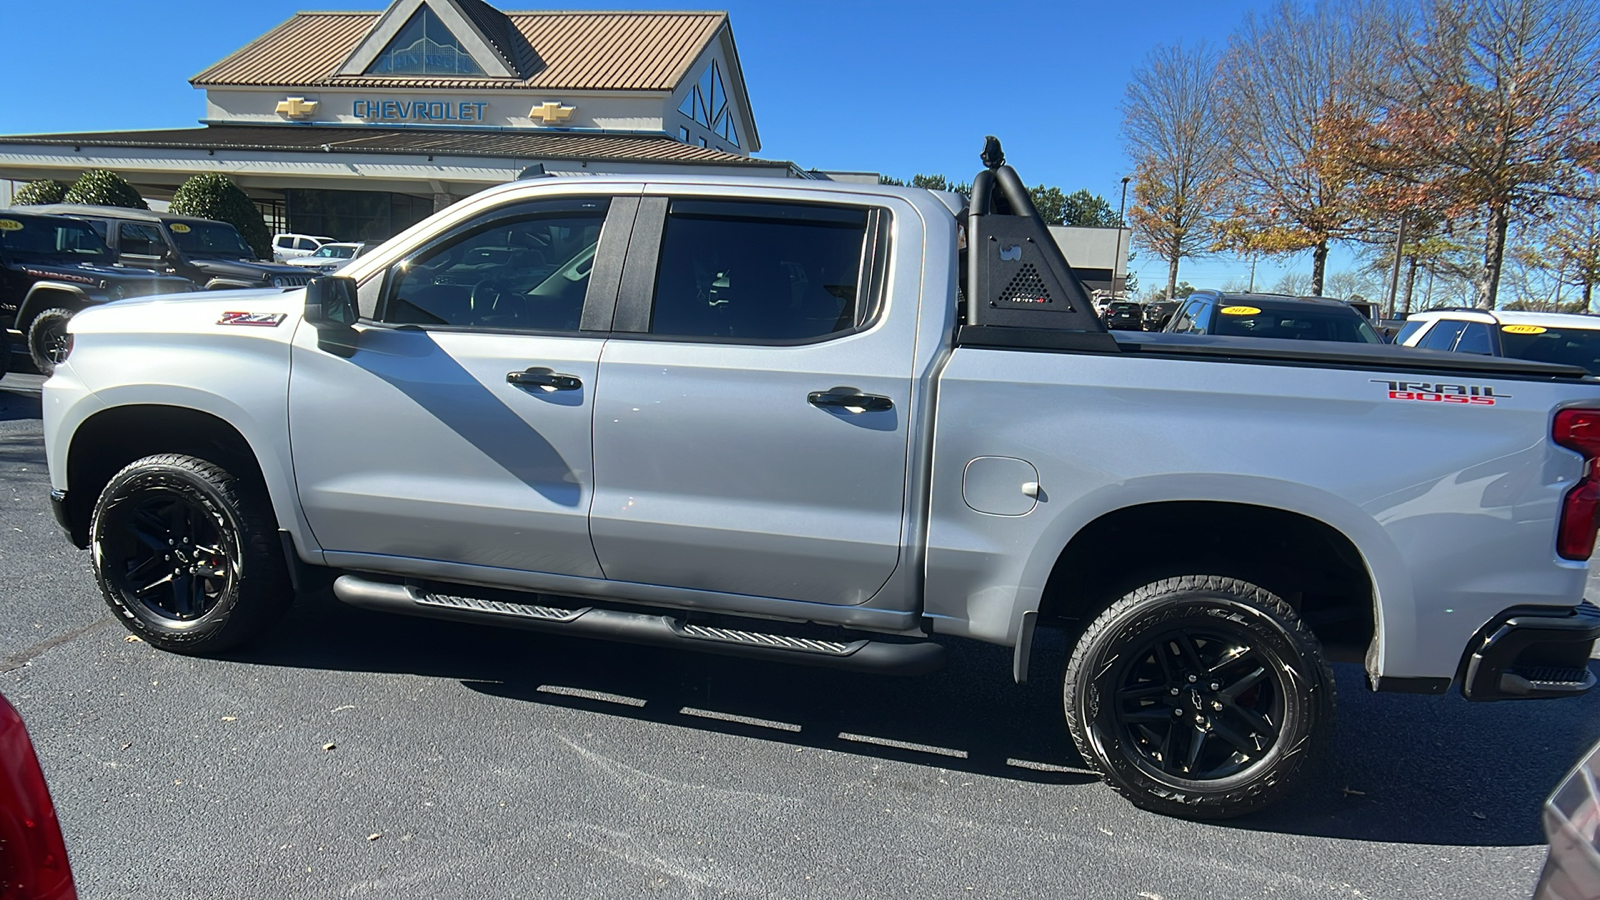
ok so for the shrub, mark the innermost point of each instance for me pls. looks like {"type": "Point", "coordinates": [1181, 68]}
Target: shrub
{"type": "Point", "coordinates": [213, 196]}
{"type": "Point", "coordinates": [38, 193]}
{"type": "Point", "coordinates": [97, 187]}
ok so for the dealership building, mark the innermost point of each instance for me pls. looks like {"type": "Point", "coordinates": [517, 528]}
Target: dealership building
{"type": "Point", "coordinates": [359, 124]}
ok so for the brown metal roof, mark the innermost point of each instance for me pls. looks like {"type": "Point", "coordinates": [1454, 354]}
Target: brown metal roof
{"type": "Point", "coordinates": [582, 51]}
{"type": "Point", "coordinates": [529, 145]}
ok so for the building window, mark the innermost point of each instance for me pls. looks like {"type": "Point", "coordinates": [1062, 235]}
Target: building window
{"type": "Point", "coordinates": [424, 47]}
{"type": "Point", "coordinates": [683, 134]}
{"type": "Point", "coordinates": [707, 104]}
{"type": "Point", "coordinates": [702, 142]}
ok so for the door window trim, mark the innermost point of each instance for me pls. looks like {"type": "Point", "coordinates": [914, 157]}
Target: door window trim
{"type": "Point", "coordinates": [635, 300]}
{"type": "Point", "coordinates": [604, 273]}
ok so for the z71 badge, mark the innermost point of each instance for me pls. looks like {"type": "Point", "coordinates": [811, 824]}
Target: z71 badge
{"type": "Point", "coordinates": [266, 320]}
{"type": "Point", "coordinates": [1430, 392]}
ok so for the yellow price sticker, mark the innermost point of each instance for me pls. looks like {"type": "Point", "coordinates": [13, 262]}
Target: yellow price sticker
{"type": "Point", "coordinates": [10, 225]}
{"type": "Point", "coordinates": [1239, 310]}
{"type": "Point", "coordinates": [179, 228]}
{"type": "Point", "coordinates": [1522, 329]}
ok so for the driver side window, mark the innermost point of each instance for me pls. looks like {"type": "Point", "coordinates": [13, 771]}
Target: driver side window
{"type": "Point", "coordinates": [527, 270]}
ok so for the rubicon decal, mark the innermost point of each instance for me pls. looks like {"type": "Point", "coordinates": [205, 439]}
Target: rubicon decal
{"type": "Point", "coordinates": [265, 320]}
{"type": "Point", "coordinates": [1430, 392]}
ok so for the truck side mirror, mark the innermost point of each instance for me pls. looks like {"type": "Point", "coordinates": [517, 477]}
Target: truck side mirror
{"type": "Point", "coordinates": [331, 309]}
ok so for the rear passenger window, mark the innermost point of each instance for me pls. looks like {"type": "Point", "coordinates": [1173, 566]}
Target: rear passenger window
{"type": "Point", "coordinates": [140, 239]}
{"type": "Point", "coordinates": [1407, 330]}
{"type": "Point", "coordinates": [1475, 339]}
{"type": "Point", "coordinates": [1442, 336]}
{"type": "Point", "coordinates": [764, 271]}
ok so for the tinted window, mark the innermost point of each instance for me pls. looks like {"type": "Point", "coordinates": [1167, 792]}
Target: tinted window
{"type": "Point", "coordinates": [1407, 330]}
{"type": "Point", "coordinates": [285, 241]}
{"type": "Point", "coordinates": [1475, 338]}
{"type": "Point", "coordinates": [1568, 346]}
{"type": "Point", "coordinates": [1184, 321]}
{"type": "Point", "coordinates": [1308, 323]}
{"type": "Point", "coordinates": [52, 240]}
{"type": "Point", "coordinates": [210, 239]}
{"type": "Point", "coordinates": [140, 239]}
{"type": "Point", "coordinates": [304, 244]}
{"type": "Point", "coordinates": [528, 271]}
{"type": "Point", "coordinates": [1442, 336]}
{"type": "Point", "coordinates": [759, 271]}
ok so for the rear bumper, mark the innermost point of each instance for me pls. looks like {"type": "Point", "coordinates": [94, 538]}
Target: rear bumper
{"type": "Point", "coordinates": [1534, 654]}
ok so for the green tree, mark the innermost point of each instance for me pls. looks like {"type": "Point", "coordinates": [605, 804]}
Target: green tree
{"type": "Point", "coordinates": [888, 179]}
{"type": "Point", "coordinates": [38, 193]}
{"type": "Point", "coordinates": [213, 196]}
{"type": "Point", "coordinates": [97, 187]}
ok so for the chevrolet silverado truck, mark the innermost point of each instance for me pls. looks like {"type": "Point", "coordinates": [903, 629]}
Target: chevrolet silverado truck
{"type": "Point", "coordinates": [839, 424]}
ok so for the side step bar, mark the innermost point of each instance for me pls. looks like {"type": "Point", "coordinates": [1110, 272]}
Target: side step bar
{"type": "Point", "coordinates": [881, 657]}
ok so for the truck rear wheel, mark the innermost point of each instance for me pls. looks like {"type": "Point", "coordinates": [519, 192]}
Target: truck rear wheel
{"type": "Point", "coordinates": [47, 339]}
{"type": "Point", "coordinates": [186, 554]}
{"type": "Point", "coordinates": [1201, 697]}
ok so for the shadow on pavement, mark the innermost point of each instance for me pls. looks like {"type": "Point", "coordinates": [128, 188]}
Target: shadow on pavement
{"type": "Point", "coordinates": [1405, 769]}
{"type": "Point", "coordinates": [19, 404]}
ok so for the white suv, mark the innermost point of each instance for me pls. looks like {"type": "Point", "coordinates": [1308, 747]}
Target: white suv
{"type": "Point", "coordinates": [288, 246]}
{"type": "Point", "coordinates": [1566, 338]}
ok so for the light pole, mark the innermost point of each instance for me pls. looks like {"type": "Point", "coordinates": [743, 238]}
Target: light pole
{"type": "Point", "coordinates": [1122, 227]}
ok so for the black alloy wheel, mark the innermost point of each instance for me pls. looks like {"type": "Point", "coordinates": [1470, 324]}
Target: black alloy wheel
{"type": "Point", "coordinates": [1200, 703]}
{"type": "Point", "coordinates": [1202, 697]}
{"type": "Point", "coordinates": [188, 554]}
{"type": "Point", "coordinates": [167, 552]}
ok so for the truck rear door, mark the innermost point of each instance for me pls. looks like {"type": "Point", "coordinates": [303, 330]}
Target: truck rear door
{"type": "Point", "coordinates": [750, 431]}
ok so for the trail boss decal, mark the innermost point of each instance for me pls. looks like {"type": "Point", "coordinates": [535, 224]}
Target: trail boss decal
{"type": "Point", "coordinates": [1429, 392]}
{"type": "Point", "coordinates": [265, 320]}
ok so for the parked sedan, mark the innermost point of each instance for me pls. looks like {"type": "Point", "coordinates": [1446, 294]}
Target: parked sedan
{"type": "Point", "coordinates": [1125, 316]}
{"type": "Point", "coordinates": [1278, 316]}
{"type": "Point", "coordinates": [331, 257]}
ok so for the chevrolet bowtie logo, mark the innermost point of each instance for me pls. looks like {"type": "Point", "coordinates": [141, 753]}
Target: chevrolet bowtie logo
{"type": "Point", "coordinates": [297, 108]}
{"type": "Point", "coordinates": [552, 112]}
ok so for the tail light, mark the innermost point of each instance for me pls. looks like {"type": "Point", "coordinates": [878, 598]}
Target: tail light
{"type": "Point", "coordinates": [33, 857]}
{"type": "Point", "coordinates": [1579, 429]}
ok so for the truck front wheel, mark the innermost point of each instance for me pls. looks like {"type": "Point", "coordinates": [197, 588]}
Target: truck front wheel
{"type": "Point", "coordinates": [1202, 697]}
{"type": "Point", "coordinates": [185, 553]}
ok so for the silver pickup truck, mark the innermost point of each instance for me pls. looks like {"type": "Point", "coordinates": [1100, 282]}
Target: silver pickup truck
{"type": "Point", "coordinates": [828, 424]}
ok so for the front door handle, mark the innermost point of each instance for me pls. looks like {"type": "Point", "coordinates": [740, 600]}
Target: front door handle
{"type": "Point", "coordinates": [849, 400]}
{"type": "Point", "coordinates": [544, 379]}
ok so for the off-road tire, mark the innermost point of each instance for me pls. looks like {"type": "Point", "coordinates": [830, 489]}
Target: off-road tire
{"type": "Point", "coordinates": [44, 334]}
{"type": "Point", "coordinates": [222, 524]}
{"type": "Point", "coordinates": [1118, 691]}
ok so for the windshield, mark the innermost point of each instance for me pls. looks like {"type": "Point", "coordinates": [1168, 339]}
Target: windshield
{"type": "Point", "coordinates": [213, 239]}
{"type": "Point", "coordinates": [1309, 324]}
{"type": "Point", "coordinates": [335, 251]}
{"type": "Point", "coordinates": [28, 238]}
{"type": "Point", "coordinates": [1567, 346]}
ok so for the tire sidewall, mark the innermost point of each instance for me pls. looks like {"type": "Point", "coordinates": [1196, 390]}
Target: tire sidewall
{"type": "Point", "coordinates": [1101, 663]}
{"type": "Point", "coordinates": [138, 481]}
{"type": "Point", "coordinates": [48, 319]}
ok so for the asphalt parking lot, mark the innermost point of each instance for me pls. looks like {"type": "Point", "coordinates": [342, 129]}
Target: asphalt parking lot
{"type": "Point", "coordinates": [354, 755]}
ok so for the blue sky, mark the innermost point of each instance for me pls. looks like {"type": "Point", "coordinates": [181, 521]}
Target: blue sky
{"type": "Point", "coordinates": [898, 88]}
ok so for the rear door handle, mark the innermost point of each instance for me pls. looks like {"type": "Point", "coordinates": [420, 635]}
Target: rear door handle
{"type": "Point", "coordinates": [544, 379]}
{"type": "Point", "coordinates": [849, 400]}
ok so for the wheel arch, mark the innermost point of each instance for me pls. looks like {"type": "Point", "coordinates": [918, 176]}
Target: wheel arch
{"type": "Point", "coordinates": [1331, 574]}
{"type": "Point", "coordinates": [49, 295]}
{"type": "Point", "coordinates": [110, 438]}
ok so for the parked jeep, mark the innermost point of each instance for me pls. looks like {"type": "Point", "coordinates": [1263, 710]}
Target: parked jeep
{"type": "Point", "coordinates": [50, 268]}
{"type": "Point", "coordinates": [212, 255]}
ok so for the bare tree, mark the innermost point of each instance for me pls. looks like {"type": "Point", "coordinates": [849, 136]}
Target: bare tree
{"type": "Point", "coordinates": [1170, 123]}
{"type": "Point", "coordinates": [1494, 110]}
{"type": "Point", "coordinates": [1289, 75]}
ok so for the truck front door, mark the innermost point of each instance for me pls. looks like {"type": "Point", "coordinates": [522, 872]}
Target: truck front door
{"type": "Point", "coordinates": [751, 422]}
{"type": "Point", "coordinates": [458, 431]}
